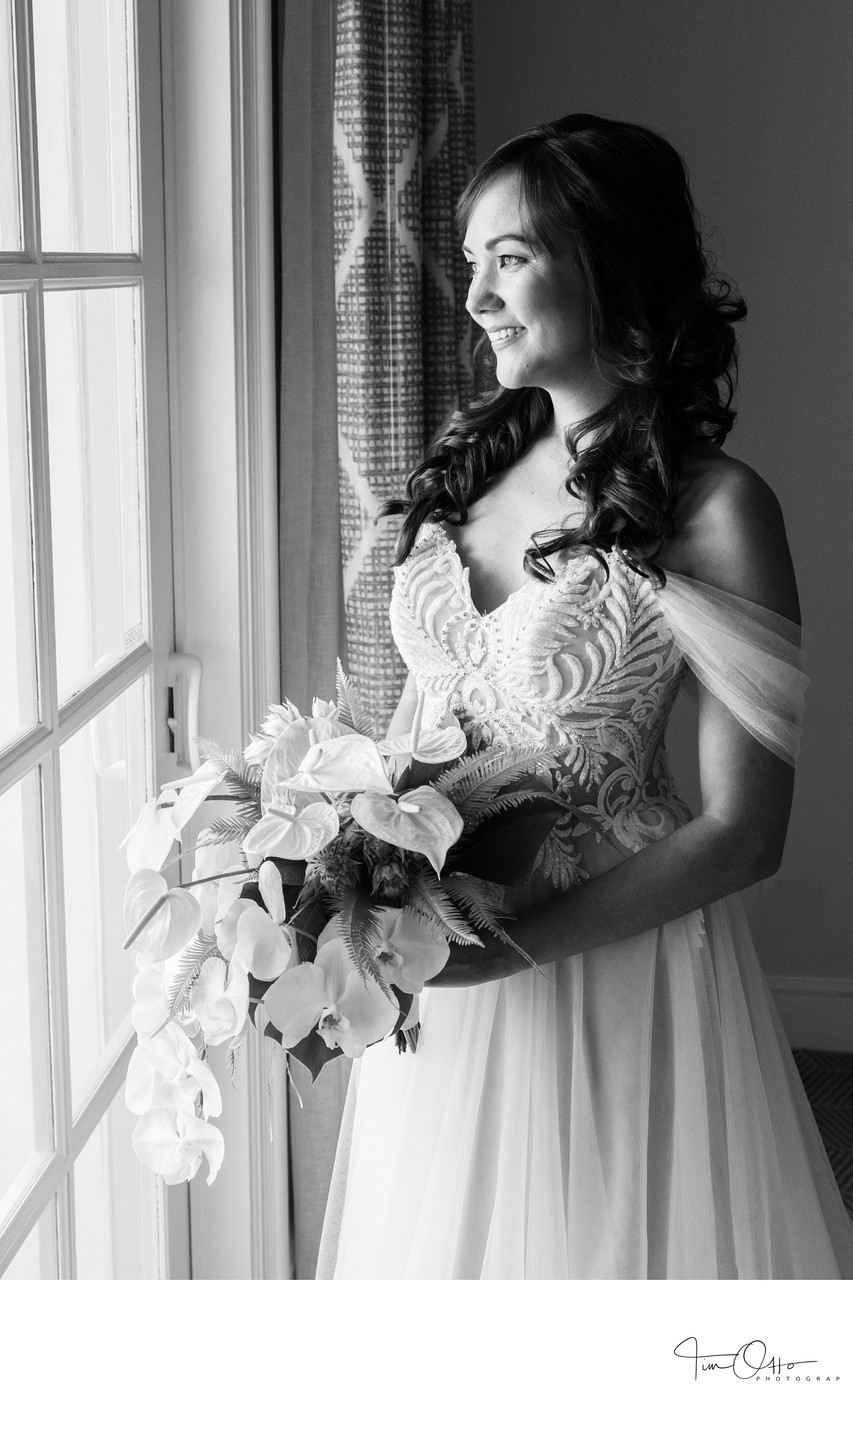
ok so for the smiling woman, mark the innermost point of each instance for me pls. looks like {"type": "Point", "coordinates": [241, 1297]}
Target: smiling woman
{"type": "Point", "coordinates": [573, 544]}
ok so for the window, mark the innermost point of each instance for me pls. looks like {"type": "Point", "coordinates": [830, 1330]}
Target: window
{"type": "Point", "coordinates": [87, 616]}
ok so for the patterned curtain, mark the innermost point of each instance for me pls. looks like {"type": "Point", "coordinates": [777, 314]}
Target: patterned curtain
{"type": "Point", "coordinates": [404, 149]}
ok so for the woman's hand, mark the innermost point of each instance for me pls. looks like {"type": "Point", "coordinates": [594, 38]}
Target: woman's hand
{"type": "Point", "coordinates": [468, 965]}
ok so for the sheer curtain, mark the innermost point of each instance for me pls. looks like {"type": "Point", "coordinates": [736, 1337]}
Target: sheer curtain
{"type": "Point", "coordinates": [375, 136]}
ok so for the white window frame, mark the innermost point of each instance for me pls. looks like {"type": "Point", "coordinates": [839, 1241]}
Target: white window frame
{"type": "Point", "coordinates": [217, 99]}
{"type": "Point", "coordinates": [48, 1178]}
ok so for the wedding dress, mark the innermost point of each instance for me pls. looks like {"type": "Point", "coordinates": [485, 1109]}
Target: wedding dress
{"type": "Point", "coordinates": [628, 1112]}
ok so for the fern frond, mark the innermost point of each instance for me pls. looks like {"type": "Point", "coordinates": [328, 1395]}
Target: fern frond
{"type": "Point", "coordinates": [490, 771]}
{"type": "Point", "coordinates": [483, 806]}
{"type": "Point", "coordinates": [362, 934]}
{"type": "Point", "coordinates": [479, 900]}
{"type": "Point", "coordinates": [188, 969]}
{"type": "Point", "coordinates": [226, 830]}
{"type": "Point", "coordinates": [429, 901]}
{"type": "Point", "coordinates": [351, 708]}
{"type": "Point", "coordinates": [209, 749]}
{"type": "Point", "coordinates": [234, 1050]}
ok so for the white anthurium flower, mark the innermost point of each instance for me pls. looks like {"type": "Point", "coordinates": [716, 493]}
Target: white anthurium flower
{"type": "Point", "coordinates": [421, 820]}
{"type": "Point", "coordinates": [288, 831]}
{"type": "Point", "coordinates": [149, 842]}
{"type": "Point", "coordinates": [177, 918]}
{"type": "Point", "coordinates": [330, 995]}
{"type": "Point", "coordinates": [172, 1144]}
{"type": "Point", "coordinates": [191, 792]}
{"type": "Point", "coordinates": [219, 998]}
{"type": "Point", "coordinates": [272, 890]}
{"type": "Point", "coordinates": [149, 1011]}
{"type": "Point", "coordinates": [342, 765]}
{"type": "Point", "coordinates": [165, 1071]}
{"type": "Point", "coordinates": [262, 946]}
{"type": "Point", "coordinates": [431, 745]}
{"type": "Point", "coordinates": [290, 748]}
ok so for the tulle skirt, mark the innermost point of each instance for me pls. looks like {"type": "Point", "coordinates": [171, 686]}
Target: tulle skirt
{"type": "Point", "coordinates": [631, 1112]}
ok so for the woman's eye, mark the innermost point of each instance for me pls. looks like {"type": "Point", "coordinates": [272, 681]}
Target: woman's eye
{"type": "Point", "coordinates": [510, 261]}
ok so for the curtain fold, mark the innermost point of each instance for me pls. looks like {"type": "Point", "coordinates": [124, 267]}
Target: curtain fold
{"type": "Point", "coordinates": [376, 142]}
{"type": "Point", "coordinates": [404, 149]}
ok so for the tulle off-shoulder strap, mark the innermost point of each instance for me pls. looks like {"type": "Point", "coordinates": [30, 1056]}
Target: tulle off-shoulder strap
{"type": "Point", "coordinates": [752, 659]}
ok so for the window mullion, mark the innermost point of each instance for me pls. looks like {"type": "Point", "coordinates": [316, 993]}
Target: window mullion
{"type": "Point", "coordinates": [27, 129]}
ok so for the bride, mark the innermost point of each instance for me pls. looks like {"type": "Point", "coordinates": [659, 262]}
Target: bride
{"type": "Point", "coordinates": [574, 547]}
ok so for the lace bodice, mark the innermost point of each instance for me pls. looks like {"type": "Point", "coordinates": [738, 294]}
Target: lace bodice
{"type": "Point", "coordinates": [587, 668]}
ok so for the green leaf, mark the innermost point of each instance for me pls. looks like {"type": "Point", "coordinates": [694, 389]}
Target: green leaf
{"type": "Point", "coordinates": [489, 771]}
{"type": "Point", "coordinates": [192, 961]}
{"type": "Point", "coordinates": [311, 1052]}
{"type": "Point", "coordinates": [308, 921]}
{"type": "Point", "coordinates": [480, 901]}
{"type": "Point", "coordinates": [351, 709]}
{"type": "Point", "coordinates": [429, 900]}
{"type": "Point", "coordinates": [504, 847]}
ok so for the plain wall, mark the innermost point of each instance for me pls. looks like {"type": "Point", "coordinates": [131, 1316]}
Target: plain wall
{"type": "Point", "coordinates": [758, 97]}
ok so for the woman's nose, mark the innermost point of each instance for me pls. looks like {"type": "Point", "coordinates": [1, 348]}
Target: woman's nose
{"type": "Point", "coordinates": [481, 294]}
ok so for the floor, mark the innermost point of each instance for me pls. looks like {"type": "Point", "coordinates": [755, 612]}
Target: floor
{"type": "Point", "coordinates": [828, 1081]}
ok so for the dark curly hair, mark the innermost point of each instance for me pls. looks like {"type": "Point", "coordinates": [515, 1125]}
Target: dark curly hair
{"type": "Point", "coordinates": [618, 194]}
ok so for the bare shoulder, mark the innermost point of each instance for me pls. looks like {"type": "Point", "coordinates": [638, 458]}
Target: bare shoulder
{"type": "Point", "coordinates": [729, 531]}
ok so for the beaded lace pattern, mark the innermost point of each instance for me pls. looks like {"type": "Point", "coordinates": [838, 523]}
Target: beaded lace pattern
{"type": "Point", "coordinates": [585, 667]}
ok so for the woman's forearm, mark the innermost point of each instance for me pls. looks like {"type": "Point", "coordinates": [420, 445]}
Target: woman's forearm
{"type": "Point", "coordinates": [699, 863]}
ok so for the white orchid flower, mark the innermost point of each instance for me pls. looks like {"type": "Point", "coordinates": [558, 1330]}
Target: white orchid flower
{"type": "Point", "coordinates": [409, 953]}
{"type": "Point", "coordinates": [263, 947]}
{"type": "Point", "coordinates": [219, 998]}
{"type": "Point", "coordinates": [330, 995]}
{"type": "Point", "coordinates": [420, 820]}
{"type": "Point", "coordinates": [160, 920]}
{"type": "Point", "coordinates": [173, 1143]}
{"type": "Point", "coordinates": [165, 1071]}
{"type": "Point", "coordinates": [287, 831]}
{"type": "Point", "coordinates": [290, 748]}
{"type": "Point", "coordinates": [149, 1011]}
{"type": "Point", "coordinates": [226, 925]}
{"type": "Point", "coordinates": [272, 890]}
{"type": "Point", "coordinates": [342, 765]}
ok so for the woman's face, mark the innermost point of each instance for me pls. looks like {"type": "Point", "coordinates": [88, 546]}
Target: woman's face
{"type": "Point", "coordinates": [534, 305]}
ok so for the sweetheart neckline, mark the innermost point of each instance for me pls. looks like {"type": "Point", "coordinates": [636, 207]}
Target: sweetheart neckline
{"type": "Point", "coordinates": [464, 569]}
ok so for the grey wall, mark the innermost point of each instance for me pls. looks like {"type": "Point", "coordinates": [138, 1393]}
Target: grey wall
{"type": "Point", "coordinates": [758, 96]}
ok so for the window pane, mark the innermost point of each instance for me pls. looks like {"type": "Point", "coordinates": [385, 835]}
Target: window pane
{"type": "Point", "coordinates": [115, 1203]}
{"type": "Point", "coordinates": [10, 177]}
{"type": "Point", "coordinates": [103, 783]}
{"type": "Point", "coordinates": [36, 1257]}
{"type": "Point", "coordinates": [18, 701]}
{"type": "Point", "coordinates": [86, 107]}
{"type": "Point", "coordinates": [96, 487]}
{"type": "Point", "coordinates": [24, 1053]}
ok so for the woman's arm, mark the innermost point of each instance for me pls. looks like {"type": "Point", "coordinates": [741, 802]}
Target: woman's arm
{"type": "Point", "coordinates": [404, 713]}
{"type": "Point", "coordinates": [737, 543]}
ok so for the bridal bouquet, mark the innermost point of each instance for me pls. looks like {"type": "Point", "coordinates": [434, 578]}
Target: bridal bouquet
{"type": "Point", "coordinates": [319, 906]}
